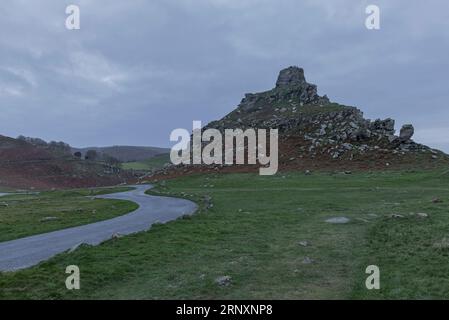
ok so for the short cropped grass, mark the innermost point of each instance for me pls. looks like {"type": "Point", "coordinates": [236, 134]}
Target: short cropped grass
{"type": "Point", "coordinates": [24, 215]}
{"type": "Point", "coordinates": [155, 162]}
{"type": "Point", "coordinates": [253, 231]}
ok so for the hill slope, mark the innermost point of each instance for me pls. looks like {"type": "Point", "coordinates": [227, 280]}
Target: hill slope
{"type": "Point", "coordinates": [25, 166]}
{"type": "Point", "coordinates": [126, 153]}
{"type": "Point", "coordinates": [315, 133]}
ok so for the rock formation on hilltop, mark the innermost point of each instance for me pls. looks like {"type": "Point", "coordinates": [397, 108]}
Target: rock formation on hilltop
{"type": "Point", "coordinates": [295, 108]}
{"type": "Point", "coordinates": [317, 133]}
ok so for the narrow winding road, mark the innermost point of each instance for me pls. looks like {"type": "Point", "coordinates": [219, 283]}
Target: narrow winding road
{"type": "Point", "coordinates": [26, 252]}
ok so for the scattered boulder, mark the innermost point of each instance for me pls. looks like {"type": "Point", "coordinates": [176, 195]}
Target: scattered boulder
{"type": "Point", "coordinates": [422, 215]}
{"type": "Point", "coordinates": [437, 200]}
{"type": "Point", "coordinates": [307, 260]}
{"type": "Point", "coordinates": [304, 243]}
{"type": "Point", "coordinates": [46, 219]}
{"type": "Point", "coordinates": [338, 220]}
{"type": "Point", "coordinates": [223, 281]}
{"type": "Point", "coordinates": [442, 244]}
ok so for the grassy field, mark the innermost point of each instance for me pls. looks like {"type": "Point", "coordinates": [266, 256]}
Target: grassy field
{"type": "Point", "coordinates": [29, 214]}
{"type": "Point", "coordinates": [254, 233]}
{"type": "Point", "coordinates": [156, 162]}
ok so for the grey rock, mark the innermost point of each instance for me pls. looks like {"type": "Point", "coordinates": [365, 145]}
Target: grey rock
{"type": "Point", "coordinates": [75, 247]}
{"type": "Point", "coordinates": [290, 76]}
{"type": "Point", "coordinates": [46, 219]}
{"type": "Point", "coordinates": [406, 132]}
{"type": "Point", "coordinates": [347, 146]}
{"type": "Point", "coordinates": [223, 280]}
{"type": "Point", "coordinates": [304, 243]}
{"type": "Point", "coordinates": [307, 260]}
{"type": "Point", "coordinates": [338, 220]}
{"type": "Point", "coordinates": [422, 215]}
{"type": "Point", "coordinates": [442, 244]}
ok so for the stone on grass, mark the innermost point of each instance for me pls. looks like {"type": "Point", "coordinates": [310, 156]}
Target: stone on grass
{"type": "Point", "coordinates": [422, 215]}
{"type": "Point", "coordinates": [442, 244]}
{"type": "Point", "coordinates": [304, 243]}
{"type": "Point", "coordinates": [46, 219]}
{"type": "Point", "coordinates": [437, 200]}
{"type": "Point", "coordinates": [396, 216]}
{"type": "Point", "coordinates": [307, 260]}
{"type": "Point", "coordinates": [338, 220]}
{"type": "Point", "coordinates": [223, 281]}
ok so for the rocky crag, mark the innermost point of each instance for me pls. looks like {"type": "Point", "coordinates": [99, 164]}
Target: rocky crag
{"type": "Point", "coordinates": [315, 133]}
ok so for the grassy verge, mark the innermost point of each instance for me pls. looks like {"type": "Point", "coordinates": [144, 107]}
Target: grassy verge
{"type": "Point", "coordinates": [156, 162]}
{"type": "Point", "coordinates": [25, 215]}
{"type": "Point", "coordinates": [254, 232]}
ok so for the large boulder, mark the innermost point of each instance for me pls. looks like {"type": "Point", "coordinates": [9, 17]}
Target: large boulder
{"type": "Point", "coordinates": [406, 132]}
{"type": "Point", "coordinates": [290, 76]}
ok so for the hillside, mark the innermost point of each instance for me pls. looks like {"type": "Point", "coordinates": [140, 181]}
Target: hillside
{"type": "Point", "coordinates": [25, 166]}
{"type": "Point", "coordinates": [315, 133]}
{"type": "Point", "coordinates": [126, 153]}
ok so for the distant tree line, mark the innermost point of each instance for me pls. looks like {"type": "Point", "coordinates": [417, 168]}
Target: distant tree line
{"type": "Point", "coordinates": [93, 155]}
{"type": "Point", "coordinates": [65, 149]}
{"type": "Point", "coordinates": [57, 146]}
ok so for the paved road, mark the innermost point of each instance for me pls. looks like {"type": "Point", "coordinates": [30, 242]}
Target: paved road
{"type": "Point", "coordinates": [27, 252]}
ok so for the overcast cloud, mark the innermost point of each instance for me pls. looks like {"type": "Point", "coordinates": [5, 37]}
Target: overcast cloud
{"type": "Point", "coordinates": [139, 69]}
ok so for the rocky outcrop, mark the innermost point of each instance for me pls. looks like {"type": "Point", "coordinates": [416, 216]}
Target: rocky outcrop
{"type": "Point", "coordinates": [317, 134]}
{"type": "Point", "coordinates": [291, 76]}
{"type": "Point", "coordinates": [295, 109]}
{"type": "Point", "coordinates": [291, 89]}
{"type": "Point", "coordinates": [406, 132]}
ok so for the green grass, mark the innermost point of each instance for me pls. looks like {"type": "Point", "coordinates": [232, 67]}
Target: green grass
{"type": "Point", "coordinates": [24, 215]}
{"type": "Point", "coordinates": [6, 189]}
{"type": "Point", "coordinates": [252, 234]}
{"type": "Point", "coordinates": [156, 162]}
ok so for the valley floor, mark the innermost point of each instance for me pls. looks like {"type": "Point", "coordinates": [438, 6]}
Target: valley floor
{"type": "Point", "coordinates": [269, 235]}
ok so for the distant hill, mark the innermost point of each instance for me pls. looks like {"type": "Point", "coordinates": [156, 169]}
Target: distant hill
{"type": "Point", "coordinates": [26, 166]}
{"type": "Point", "coordinates": [126, 153]}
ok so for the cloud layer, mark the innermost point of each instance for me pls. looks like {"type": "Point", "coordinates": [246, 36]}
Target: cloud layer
{"type": "Point", "coordinates": [137, 70]}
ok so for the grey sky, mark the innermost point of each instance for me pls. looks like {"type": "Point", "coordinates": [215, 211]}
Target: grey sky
{"type": "Point", "coordinates": [139, 69]}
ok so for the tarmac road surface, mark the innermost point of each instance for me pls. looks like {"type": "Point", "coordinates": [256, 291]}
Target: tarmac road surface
{"type": "Point", "coordinates": [26, 252]}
